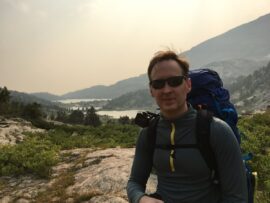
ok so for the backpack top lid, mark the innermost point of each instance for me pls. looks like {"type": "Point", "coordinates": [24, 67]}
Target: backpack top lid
{"type": "Point", "coordinates": [205, 78]}
{"type": "Point", "coordinates": [207, 86]}
{"type": "Point", "coordinates": [208, 92]}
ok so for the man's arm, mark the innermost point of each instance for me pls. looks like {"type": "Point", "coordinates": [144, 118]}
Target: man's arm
{"type": "Point", "coordinates": [141, 168]}
{"type": "Point", "coordinates": [229, 162]}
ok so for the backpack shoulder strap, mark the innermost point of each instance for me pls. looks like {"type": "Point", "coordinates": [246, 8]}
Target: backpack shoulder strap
{"type": "Point", "coordinates": [151, 136]}
{"type": "Point", "coordinates": [148, 121]}
{"type": "Point", "coordinates": [203, 131]}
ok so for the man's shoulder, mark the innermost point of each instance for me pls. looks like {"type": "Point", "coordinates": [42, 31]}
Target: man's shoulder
{"type": "Point", "coordinates": [221, 132]}
{"type": "Point", "coordinates": [219, 124]}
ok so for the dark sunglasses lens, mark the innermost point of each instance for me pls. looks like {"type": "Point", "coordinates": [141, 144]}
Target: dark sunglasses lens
{"type": "Point", "coordinates": [158, 84]}
{"type": "Point", "coordinates": [172, 82]}
{"type": "Point", "coordinates": [175, 81]}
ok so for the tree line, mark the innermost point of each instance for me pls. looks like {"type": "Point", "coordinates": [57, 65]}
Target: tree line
{"type": "Point", "coordinates": [35, 113]}
{"type": "Point", "coordinates": [78, 117]}
{"type": "Point", "coordinates": [11, 108]}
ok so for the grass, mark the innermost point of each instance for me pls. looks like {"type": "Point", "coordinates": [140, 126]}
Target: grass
{"type": "Point", "coordinates": [57, 189]}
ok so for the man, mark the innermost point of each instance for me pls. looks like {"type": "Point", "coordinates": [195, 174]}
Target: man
{"type": "Point", "coordinates": [183, 175]}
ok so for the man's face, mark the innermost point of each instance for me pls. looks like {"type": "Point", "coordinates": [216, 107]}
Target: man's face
{"type": "Point", "coordinates": [171, 100]}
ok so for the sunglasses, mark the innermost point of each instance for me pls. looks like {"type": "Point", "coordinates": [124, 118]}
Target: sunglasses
{"type": "Point", "coordinates": [171, 81]}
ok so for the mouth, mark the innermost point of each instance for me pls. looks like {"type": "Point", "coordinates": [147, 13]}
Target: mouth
{"type": "Point", "coordinates": [168, 99]}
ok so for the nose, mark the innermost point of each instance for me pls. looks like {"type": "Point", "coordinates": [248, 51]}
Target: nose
{"type": "Point", "coordinates": [166, 88]}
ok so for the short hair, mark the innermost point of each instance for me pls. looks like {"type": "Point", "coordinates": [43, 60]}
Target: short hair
{"type": "Point", "coordinates": [168, 55]}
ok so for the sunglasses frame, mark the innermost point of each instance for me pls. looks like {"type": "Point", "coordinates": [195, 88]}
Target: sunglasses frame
{"type": "Point", "coordinates": [173, 81]}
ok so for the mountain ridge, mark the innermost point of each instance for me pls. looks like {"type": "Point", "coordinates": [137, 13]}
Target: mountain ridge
{"type": "Point", "coordinates": [108, 92]}
{"type": "Point", "coordinates": [241, 40]}
{"type": "Point", "coordinates": [246, 42]}
{"type": "Point", "coordinates": [248, 93]}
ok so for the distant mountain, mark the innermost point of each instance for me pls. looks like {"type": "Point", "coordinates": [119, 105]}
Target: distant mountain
{"type": "Point", "coordinates": [108, 92]}
{"type": "Point", "coordinates": [140, 99]}
{"type": "Point", "coordinates": [46, 96]}
{"type": "Point", "coordinates": [27, 98]}
{"type": "Point", "coordinates": [248, 93]}
{"type": "Point", "coordinates": [230, 70]}
{"type": "Point", "coordinates": [238, 52]}
{"type": "Point", "coordinates": [252, 93]}
{"type": "Point", "coordinates": [248, 41]}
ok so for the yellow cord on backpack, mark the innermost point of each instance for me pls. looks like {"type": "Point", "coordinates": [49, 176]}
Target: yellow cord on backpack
{"type": "Point", "coordinates": [172, 151]}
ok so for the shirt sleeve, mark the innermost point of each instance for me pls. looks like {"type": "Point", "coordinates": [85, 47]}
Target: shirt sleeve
{"type": "Point", "coordinates": [141, 169]}
{"type": "Point", "coordinates": [229, 162]}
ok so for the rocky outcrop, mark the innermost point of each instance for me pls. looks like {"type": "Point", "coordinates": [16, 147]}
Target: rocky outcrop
{"type": "Point", "coordinates": [83, 175]}
{"type": "Point", "coordinates": [12, 130]}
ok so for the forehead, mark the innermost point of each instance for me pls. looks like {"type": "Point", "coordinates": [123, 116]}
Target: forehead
{"type": "Point", "coordinates": [166, 68]}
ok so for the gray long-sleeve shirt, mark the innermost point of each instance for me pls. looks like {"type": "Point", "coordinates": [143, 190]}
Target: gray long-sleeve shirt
{"type": "Point", "coordinates": [186, 178]}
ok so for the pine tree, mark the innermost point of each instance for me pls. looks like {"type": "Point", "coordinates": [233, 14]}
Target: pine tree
{"type": "Point", "coordinates": [61, 116]}
{"type": "Point", "coordinates": [4, 100]}
{"type": "Point", "coordinates": [4, 95]}
{"type": "Point", "coordinates": [92, 118]}
{"type": "Point", "coordinates": [32, 111]}
{"type": "Point", "coordinates": [124, 120]}
{"type": "Point", "coordinates": [76, 117]}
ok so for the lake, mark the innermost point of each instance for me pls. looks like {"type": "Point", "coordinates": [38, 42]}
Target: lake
{"type": "Point", "coordinates": [75, 104]}
{"type": "Point", "coordinates": [118, 114]}
{"type": "Point", "coordinates": [70, 101]}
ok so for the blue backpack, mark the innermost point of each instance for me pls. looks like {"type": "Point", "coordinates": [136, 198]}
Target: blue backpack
{"type": "Point", "coordinates": [207, 92]}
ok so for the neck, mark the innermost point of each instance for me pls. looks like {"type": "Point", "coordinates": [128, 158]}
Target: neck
{"type": "Point", "coordinates": [175, 114]}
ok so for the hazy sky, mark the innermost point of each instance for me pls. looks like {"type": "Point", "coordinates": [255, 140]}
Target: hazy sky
{"type": "Point", "coordinates": [59, 46]}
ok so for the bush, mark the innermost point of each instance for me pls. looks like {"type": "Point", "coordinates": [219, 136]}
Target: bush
{"type": "Point", "coordinates": [92, 118]}
{"type": "Point", "coordinates": [110, 135]}
{"type": "Point", "coordinates": [32, 156]}
{"type": "Point", "coordinates": [40, 123]}
{"type": "Point", "coordinates": [76, 117]}
{"type": "Point", "coordinates": [124, 120]}
{"type": "Point", "coordinates": [256, 140]}
{"type": "Point", "coordinates": [39, 152]}
{"type": "Point", "coordinates": [32, 111]}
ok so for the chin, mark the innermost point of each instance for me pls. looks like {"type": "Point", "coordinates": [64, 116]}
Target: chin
{"type": "Point", "coordinates": [169, 108]}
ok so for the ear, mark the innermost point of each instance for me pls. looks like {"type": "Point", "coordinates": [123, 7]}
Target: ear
{"type": "Point", "coordinates": [151, 91]}
{"type": "Point", "coordinates": [188, 85]}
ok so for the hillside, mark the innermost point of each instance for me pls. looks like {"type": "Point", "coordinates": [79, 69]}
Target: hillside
{"type": "Point", "coordinates": [28, 98]}
{"type": "Point", "coordinates": [46, 96]}
{"type": "Point", "coordinates": [247, 92]}
{"type": "Point", "coordinates": [47, 107]}
{"type": "Point", "coordinates": [248, 41]}
{"type": "Point", "coordinates": [230, 70]}
{"type": "Point", "coordinates": [235, 53]}
{"type": "Point", "coordinates": [252, 92]}
{"type": "Point", "coordinates": [140, 99]}
{"type": "Point", "coordinates": [108, 92]}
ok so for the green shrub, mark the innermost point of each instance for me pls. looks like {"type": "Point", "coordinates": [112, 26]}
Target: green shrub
{"type": "Point", "coordinates": [39, 152]}
{"type": "Point", "coordinates": [68, 140]}
{"type": "Point", "coordinates": [40, 123]}
{"type": "Point", "coordinates": [33, 156]}
{"type": "Point", "coordinates": [256, 139]}
{"type": "Point", "coordinates": [111, 135]}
